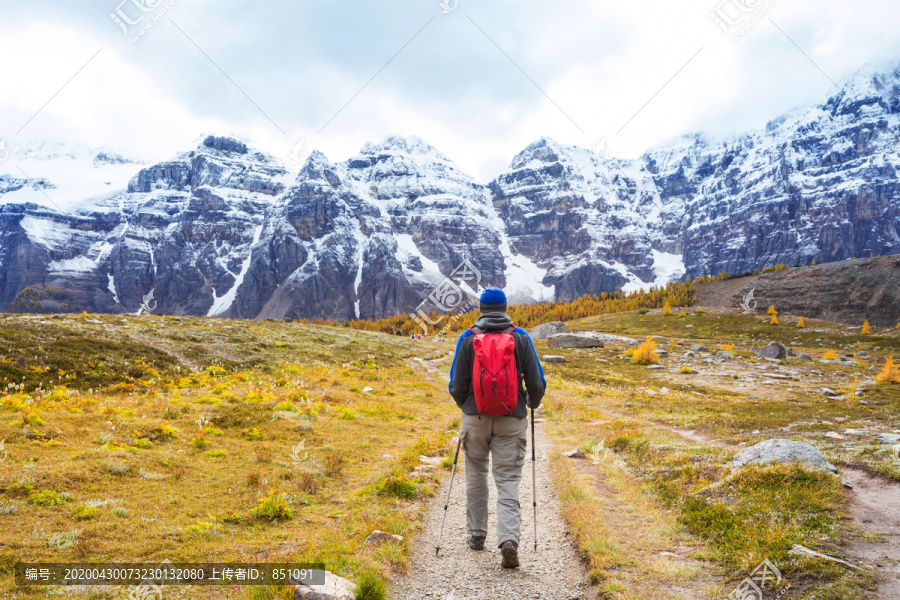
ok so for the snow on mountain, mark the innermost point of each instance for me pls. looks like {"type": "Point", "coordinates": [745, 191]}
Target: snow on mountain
{"type": "Point", "coordinates": [62, 176]}
{"type": "Point", "coordinates": [224, 230]}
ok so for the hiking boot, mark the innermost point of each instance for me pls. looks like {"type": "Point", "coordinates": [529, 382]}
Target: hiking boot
{"type": "Point", "coordinates": [510, 552]}
{"type": "Point", "coordinates": [476, 542]}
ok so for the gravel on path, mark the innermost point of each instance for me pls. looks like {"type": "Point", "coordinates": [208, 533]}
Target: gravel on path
{"type": "Point", "coordinates": [554, 572]}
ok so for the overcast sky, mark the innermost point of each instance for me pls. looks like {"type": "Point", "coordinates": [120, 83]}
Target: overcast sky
{"type": "Point", "coordinates": [479, 81]}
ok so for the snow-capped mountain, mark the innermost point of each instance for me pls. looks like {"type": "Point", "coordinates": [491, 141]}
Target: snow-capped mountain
{"type": "Point", "coordinates": [223, 230]}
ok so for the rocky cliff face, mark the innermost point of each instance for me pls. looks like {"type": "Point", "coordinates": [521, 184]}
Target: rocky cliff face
{"type": "Point", "coordinates": [223, 230]}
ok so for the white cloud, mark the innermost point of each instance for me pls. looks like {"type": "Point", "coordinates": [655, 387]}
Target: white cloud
{"type": "Point", "coordinates": [599, 62]}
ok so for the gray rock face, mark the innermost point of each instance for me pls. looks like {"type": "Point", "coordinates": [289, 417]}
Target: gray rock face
{"type": "Point", "coordinates": [698, 348]}
{"type": "Point", "coordinates": [222, 230]}
{"type": "Point", "coordinates": [775, 350]}
{"type": "Point", "coordinates": [553, 358]}
{"type": "Point", "coordinates": [888, 438]}
{"type": "Point", "coordinates": [782, 451]}
{"type": "Point", "coordinates": [724, 354]}
{"type": "Point", "coordinates": [545, 330]}
{"type": "Point", "coordinates": [573, 340]}
{"type": "Point", "coordinates": [804, 356]}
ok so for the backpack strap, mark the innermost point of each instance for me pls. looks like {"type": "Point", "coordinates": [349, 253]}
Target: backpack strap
{"type": "Point", "coordinates": [476, 330]}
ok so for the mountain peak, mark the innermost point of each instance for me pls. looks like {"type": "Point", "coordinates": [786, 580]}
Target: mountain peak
{"type": "Point", "coordinates": [411, 145]}
{"type": "Point", "coordinates": [224, 145]}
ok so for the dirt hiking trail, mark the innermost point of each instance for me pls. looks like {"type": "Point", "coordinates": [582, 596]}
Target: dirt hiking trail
{"type": "Point", "coordinates": [554, 572]}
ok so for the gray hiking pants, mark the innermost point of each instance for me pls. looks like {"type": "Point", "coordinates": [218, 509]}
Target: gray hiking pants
{"type": "Point", "coordinates": [505, 440]}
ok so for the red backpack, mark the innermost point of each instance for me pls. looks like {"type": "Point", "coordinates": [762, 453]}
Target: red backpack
{"type": "Point", "coordinates": [494, 376]}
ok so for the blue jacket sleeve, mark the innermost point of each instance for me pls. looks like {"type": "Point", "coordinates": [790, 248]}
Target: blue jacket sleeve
{"type": "Point", "coordinates": [462, 336]}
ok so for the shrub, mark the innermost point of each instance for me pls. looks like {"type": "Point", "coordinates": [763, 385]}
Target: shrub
{"type": "Point", "coordinates": [831, 355]}
{"type": "Point", "coordinates": [800, 323]}
{"type": "Point", "coordinates": [116, 467]}
{"type": "Point", "coordinates": [774, 320]}
{"type": "Point", "coordinates": [645, 355]}
{"type": "Point", "coordinates": [890, 373]}
{"type": "Point", "coordinates": [252, 434]}
{"type": "Point", "coordinates": [200, 442]}
{"type": "Point", "coordinates": [667, 309]}
{"type": "Point", "coordinates": [163, 433]}
{"type": "Point", "coordinates": [333, 462]}
{"type": "Point", "coordinates": [370, 586]}
{"type": "Point", "coordinates": [346, 414]}
{"type": "Point", "coordinates": [46, 498]}
{"type": "Point", "coordinates": [120, 512]}
{"type": "Point", "coordinates": [399, 486]}
{"type": "Point", "coordinates": [866, 330]}
{"type": "Point", "coordinates": [772, 310]}
{"type": "Point", "coordinates": [286, 407]}
{"type": "Point", "coordinates": [216, 453]}
{"type": "Point", "coordinates": [272, 507]}
{"type": "Point", "coordinates": [63, 541]}
{"type": "Point", "coordinates": [686, 370]}
{"type": "Point", "coordinates": [308, 482]}
{"type": "Point", "coordinates": [83, 513]}
{"type": "Point", "coordinates": [643, 311]}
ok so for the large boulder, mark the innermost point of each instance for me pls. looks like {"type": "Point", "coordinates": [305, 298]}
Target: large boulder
{"type": "Point", "coordinates": [773, 350]}
{"type": "Point", "coordinates": [545, 330]}
{"type": "Point", "coordinates": [573, 340]}
{"type": "Point", "coordinates": [334, 588]}
{"type": "Point", "coordinates": [782, 451]}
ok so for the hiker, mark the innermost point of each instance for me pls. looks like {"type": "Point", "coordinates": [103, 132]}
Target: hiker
{"type": "Point", "coordinates": [494, 417]}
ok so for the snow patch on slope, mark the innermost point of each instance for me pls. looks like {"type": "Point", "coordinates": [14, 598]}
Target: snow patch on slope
{"type": "Point", "coordinates": [224, 302]}
{"type": "Point", "coordinates": [111, 286]}
{"type": "Point", "coordinates": [79, 264]}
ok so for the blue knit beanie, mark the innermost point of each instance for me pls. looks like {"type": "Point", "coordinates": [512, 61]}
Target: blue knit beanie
{"type": "Point", "coordinates": [492, 300]}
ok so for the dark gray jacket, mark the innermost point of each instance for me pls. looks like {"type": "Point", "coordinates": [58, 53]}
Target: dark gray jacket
{"type": "Point", "coordinates": [527, 365]}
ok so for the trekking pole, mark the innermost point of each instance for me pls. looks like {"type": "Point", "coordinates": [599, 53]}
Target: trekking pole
{"type": "Point", "coordinates": [533, 480]}
{"type": "Point", "coordinates": [437, 550]}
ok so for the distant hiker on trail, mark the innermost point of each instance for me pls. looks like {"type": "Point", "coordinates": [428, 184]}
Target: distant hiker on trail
{"type": "Point", "coordinates": [495, 373]}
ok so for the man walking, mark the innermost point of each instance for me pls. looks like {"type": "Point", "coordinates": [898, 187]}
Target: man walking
{"type": "Point", "coordinates": [495, 374]}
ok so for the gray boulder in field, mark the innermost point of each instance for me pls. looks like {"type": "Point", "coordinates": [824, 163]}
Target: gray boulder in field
{"type": "Point", "coordinates": [774, 350]}
{"type": "Point", "coordinates": [782, 451]}
{"type": "Point", "coordinates": [545, 330]}
{"type": "Point", "coordinates": [553, 358]}
{"type": "Point", "coordinates": [573, 340]}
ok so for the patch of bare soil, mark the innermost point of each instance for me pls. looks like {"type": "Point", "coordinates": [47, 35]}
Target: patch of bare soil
{"type": "Point", "coordinates": [875, 507]}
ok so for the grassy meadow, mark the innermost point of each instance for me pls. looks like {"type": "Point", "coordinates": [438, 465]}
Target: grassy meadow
{"type": "Point", "coordinates": [672, 432]}
{"type": "Point", "coordinates": [147, 438]}
{"type": "Point", "coordinates": [139, 439]}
